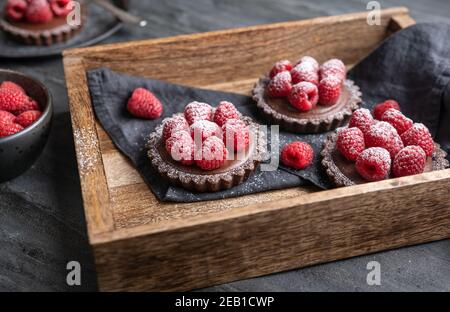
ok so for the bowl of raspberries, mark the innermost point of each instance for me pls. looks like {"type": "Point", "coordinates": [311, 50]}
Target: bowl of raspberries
{"type": "Point", "coordinates": [25, 119]}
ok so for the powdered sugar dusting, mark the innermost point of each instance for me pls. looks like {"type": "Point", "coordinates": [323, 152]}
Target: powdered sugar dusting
{"type": "Point", "coordinates": [198, 111]}
{"type": "Point", "coordinates": [309, 60]}
{"type": "Point", "coordinates": [203, 129]}
{"type": "Point", "coordinates": [87, 147]}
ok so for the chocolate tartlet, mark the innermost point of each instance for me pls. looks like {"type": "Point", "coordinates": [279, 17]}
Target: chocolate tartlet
{"type": "Point", "coordinates": [55, 31]}
{"type": "Point", "coordinates": [317, 120]}
{"type": "Point", "coordinates": [232, 173]}
{"type": "Point", "coordinates": [342, 172]}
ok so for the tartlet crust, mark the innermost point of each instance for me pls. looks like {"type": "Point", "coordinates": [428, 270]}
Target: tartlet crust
{"type": "Point", "coordinates": [309, 123]}
{"type": "Point", "coordinates": [205, 181]}
{"type": "Point", "coordinates": [338, 178]}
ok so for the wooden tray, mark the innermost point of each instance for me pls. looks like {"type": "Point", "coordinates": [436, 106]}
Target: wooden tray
{"type": "Point", "coordinates": [140, 243]}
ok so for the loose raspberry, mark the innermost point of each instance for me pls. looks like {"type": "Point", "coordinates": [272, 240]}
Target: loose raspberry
{"type": "Point", "coordinates": [362, 119]}
{"type": "Point", "coordinates": [39, 12]}
{"type": "Point", "coordinates": [203, 129]}
{"type": "Point", "coordinates": [419, 135]}
{"type": "Point", "coordinates": [7, 117]}
{"type": "Point", "coordinates": [237, 132]}
{"type": "Point", "coordinates": [333, 68]}
{"type": "Point", "coordinates": [61, 7]}
{"type": "Point", "coordinates": [279, 67]}
{"type": "Point", "coordinates": [144, 104]}
{"type": "Point", "coordinates": [7, 129]}
{"type": "Point", "coordinates": [399, 121]}
{"type": "Point", "coordinates": [198, 111]}
{"type": "Point", "coordinates": [374, 164]}
{"type": "Point", "coordinates": [16, 9]}
{"type": "Point", "coordinates": [11, 86]}
{"type": "Point", "coordinates": [381, 108]}
{"type": "Point", "coordinates": [350, 142]}
{"type": "Point", "coordinates": [304, 96]}
{"type": "Point", "coordinates": [310, 60]}
{"type": "Point", "coordinates": [305, 71]}
{"type": "Point", "coordinates": [213, 154]}
{"type": "Point", "coordinates": [28, 118]}
{"type": "Point", "coordinates": [29, 104]}
{"type": "Point", "coordinates": [225, 111]}
{"type": "Point", "coordinates": [409, 161]}
{"type": "Point", "coordinates": [297, 155]}
{"type": "Point", "coordinates": [12, 100]}
{"type": "Point", "coordinates": [330, 89]}
{"type": "Point", "coordinates": [181, 147]}
{"type": "Point", "coordinates": [382, 134]}
{"type": "Point", "coordinates": [280, 85]}
{"type": "Point", "coordinates": [174, 124]}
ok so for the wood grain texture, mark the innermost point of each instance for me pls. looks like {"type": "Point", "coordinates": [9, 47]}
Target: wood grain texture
{"type": "Point", "coordinates": [94, 188]}
{"type": "Point", "coordinates": [184, 246]}
{"type": "Point", "coordinates": [258, 47]}
{"type": "Point", "coordinates": [257, 239]}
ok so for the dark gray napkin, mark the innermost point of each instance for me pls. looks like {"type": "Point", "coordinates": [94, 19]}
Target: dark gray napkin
{"type": "Point", "coordinates": [110, 92]}
{"type": "Point", "coordinates": [412, 66]}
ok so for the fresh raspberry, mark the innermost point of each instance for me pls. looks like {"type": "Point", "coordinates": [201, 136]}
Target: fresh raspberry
{"type": "Point", "coordinates": [329, 91]}
{"type": "Point", "coordinates": [280, 85]}
{"type": "Point", "coordinates": [381, 108]}
{"type": "Point", "coordinates": [297, 155]}
{"type": "Point", "coordinates": [30, 104]}
{"type": "Point", "coordinates": [238, 133]}
{"type": "Point", "coordinates": [399, 121]}
{"type": "Point", "coordinates": [225, 111]}
{"type": "Point", "coordinates": [382, 134]}
{"type": "Point", "coordinates": [61, 7]}
{"type": "Point", "coordinates": [374, 164]}
{"type": "Point", "coordinates": [419, 135]}
{"type": "Point", "coordinates": [304, 96]}
{"type": "Point", "coordinates": [333, 68]}
{"type": "Point", "coordinates": [203, 129]}
{"type": "Point", "coordinates": [7, 117]}
{"type": "Point", "coordinates": [350, 142]}
{"type": "Point", "coordinates": [181, 147]}
{"type": "Point", "coordinates": [38, 12]}
{"type": "Point", "coordinates": [305, 71]}
{"type": "Point", "coordinates": [11, 86]}
{"type": "Point", "coordinates": [28, 118]}
{"type": "Point", "coordinates": [174, 124]}
{"type": "Point", "coordinates": [144, 104]}
{"type": "Point", "coordinates": [362, 119]}
{"type": "Point", "coordinates": [198, 111]}
{"type": "Point", "coordinates": [16, 9]}
{"type": "Point", "coordinates": [310, 60]}
{"type": "Point", "coordinates": [279, 67]}
{"type": "Point", "coordinates": [213, 154]}
{"type": "Point", "coordinates": [12, 100]}
{"type": "Point", "coordinates": [409, 161]}
{"type": "Point", "coordinates": [7, 129]}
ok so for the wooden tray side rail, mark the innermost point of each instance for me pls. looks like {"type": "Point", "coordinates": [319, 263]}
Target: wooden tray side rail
{"type": "Point", "coordinates": [140, 243]}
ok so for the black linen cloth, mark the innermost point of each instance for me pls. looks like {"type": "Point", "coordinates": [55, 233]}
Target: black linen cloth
{"type": "Point", "coordinates": [412, 66]}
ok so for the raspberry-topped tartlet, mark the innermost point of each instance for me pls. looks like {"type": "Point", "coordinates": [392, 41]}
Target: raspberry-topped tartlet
{"type": "Point", "coordinates": [206, 149]}
{"type": "Point", "coordinates": [40, 22]}
{"type": "Point", "coordinates": [307, 97]}
{"type": "Point", "coordinates": [387, 146]}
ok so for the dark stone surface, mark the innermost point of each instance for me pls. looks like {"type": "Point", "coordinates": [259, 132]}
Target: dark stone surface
{"type": "Point", "coordinates": [42, 224]}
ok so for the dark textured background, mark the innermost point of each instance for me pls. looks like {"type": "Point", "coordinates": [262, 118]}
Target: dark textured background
{"type": "Point", "coordinates": [41, 215]}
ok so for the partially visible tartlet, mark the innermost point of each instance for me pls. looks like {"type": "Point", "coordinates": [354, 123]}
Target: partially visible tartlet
{"type": "Point", "coordinates": [372, 149]}
{"type": "Point", "coordinates": [40, 22]}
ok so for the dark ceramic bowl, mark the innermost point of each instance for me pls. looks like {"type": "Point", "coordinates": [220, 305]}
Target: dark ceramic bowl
{"type": "Point", "coordinates": [18, 152]}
